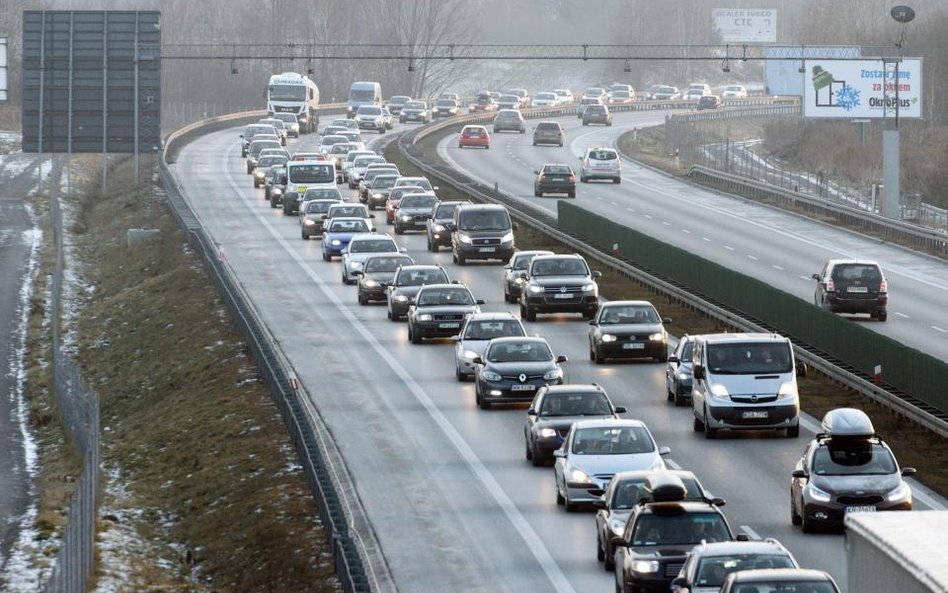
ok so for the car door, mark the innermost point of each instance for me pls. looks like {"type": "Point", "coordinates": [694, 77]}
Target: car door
{"type": "Point", "coordinates": [531, 421]}
{"type": "Point", "coordinates": [797, 484]}
{"type": "Point", "coordinates": [560, 462]}
{"type": "Point", "coordinates": [821, 278]}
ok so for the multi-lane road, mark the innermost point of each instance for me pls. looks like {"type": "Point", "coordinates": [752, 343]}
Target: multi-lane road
{"type": "Point", "coordinates": [451, 499]}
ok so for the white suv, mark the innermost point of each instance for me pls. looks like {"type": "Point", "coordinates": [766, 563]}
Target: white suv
{"type": "Point", "coordinates": [600, 163]}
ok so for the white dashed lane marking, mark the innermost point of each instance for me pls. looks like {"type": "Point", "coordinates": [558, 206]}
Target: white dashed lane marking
{"type": "Point", "coordinates": [902, 315]}
{"type": "Point", "coordinates": [753, 257]}
{"type": "Point", "coordinates": [729, 248]}
{"type": "Point", "coordinates": [940, 329]}
{"type": "Point", "coordinates": [707, 239]}
{"type": "Point", "coordinates": [666, 223]}
{"type": "Point", "coordinates": [686, 231]}
{"type": "Point", "coordinates": [776, 267]}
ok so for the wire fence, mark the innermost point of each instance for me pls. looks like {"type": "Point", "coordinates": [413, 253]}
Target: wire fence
{"type": "Point", "coordinates": [79, 410]}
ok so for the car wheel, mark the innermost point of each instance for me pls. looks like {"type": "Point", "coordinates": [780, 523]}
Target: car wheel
{"type": "Point", "coordinates": [882, 315]}
{"type": "Point", "coordinates": [537, 193]}
{"type": "Point", "coordinates": [617, 180]}
{"type": "Point", "coordinates": [460, 145]}
{"type": "Point", "coordinates": [662, 357]}
{"type": "Point", "coordinates": [807, 524]}
{"type": "Point", "coordinates": [481, 402]}
{"type": "Point", "coordinates": [582, 179]}
{"type": "Point", "coordinates": [398, 229]}
{"type": "Point", "coordinates": [795, 517]}
{"type": "Point", "coordinates": [669, 395]}
{"type": "Point", "coordinates": [561, 145]}
{"type": "Point", "coordinates": [345, 277]}
{"type": "Point", "coordinates": [559, 497]}
{"type": "Point", "coordinates": [697, 425]}
{"type": "Point", "coordinates": [709, 432]}
{"type": "Point", "coordinates": [363, 300]}
{"type": "Point", "coordinates": [413, 336]}
{"type": "Point", "coordinates": [530, 314]}
{"type": "Point", "coordinates": [431, 246]}
{"type": "Point", "coordinates": [600, 552]}
{"type": "Point", "coordinates": [571, 507]}
{"type": "Point", "coordinates": [793, 432]}
{"type": "Point", "coordinates": [459, 260]}
{"type": "Point", "coordinates": [571, 194]}
{"type": "Point", "coordinates": [304, 235]}
{"type": "Point", "coordinates": [535, 457]}
{"type": "Point", "coordinates": [534, 143]}
{"type": "Point", "coordinates": [680, 399]}
{"type": "Point", "coordinates": [527, 449]}
{"type": "Point", "coordinates": [326, 256]}
{"type": "Point", "coordinates": [609, 563]}
{"type": "Point", "coordinates": [507, 298]}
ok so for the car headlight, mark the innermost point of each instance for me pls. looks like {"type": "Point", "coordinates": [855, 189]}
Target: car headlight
{"type": "Point", "coordinates": [578, 475]}
{"type": "Point", "coordinates": [518, 281]}
{"type": "Point", "coordinates": [645, 566]}
{"type": "Point", "coordinates": [405, 217]}
{"type": "Point", "coordinates": [658, 464]}
{"type": "Point", "coordinates": [507, 238]}
{"type": "Point", "coordinates": [276, 191]}
{"type": "Point", "coordinates": [787, 390]}
{"type": "Point", "coordinates": [553, 375]}
{"type": "Point", "coordinates": [355, 265]}
{"type": "Point", "coordinates": [370, 284]}
{"type": "Point", "coordinates": [491, 376]}
{"type": "Point", "coordinates": [424, 317]}
{"type": "Point", "coordinates": [591, 287]}
{"type": "Point", "coordinates": [400, 298]}
{"type": "Point", "coordinates": [536, 289]}
{"type": "Point", "coordinates": [683, 375]}
{"type": "Point", "coordinates": [617, 526]}
{"type": "Point", "coordinates": [608, 338]}
{"type": "Point", "coordinates": [439, 228]}
{"type": "Point", "coordinates": [335, 242]}
{"type": "Point", "coordinates": [657, 337]}
{"type": "Point", "coordinates": [309, 222]}
{"type": "Point", "coordinates": [719, 391]}
{"type": "Point", "coordinates": [547, 433]}
{"type": "Point", "coordinates": [901, 492]}
{"type": "Point", "coordinates": [259, 174]}
{"type": "Point", "coordinates": [465, 239]}
{"type": "Point", "coordinates": [817, 494]}
{"type": "Point", "coordinates": [376, 195]}
{"type": "Point", "coordinates": [470, 354]}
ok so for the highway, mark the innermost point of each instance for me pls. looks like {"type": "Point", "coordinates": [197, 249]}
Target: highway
{"type": "Point", "coordinates": [774, 246]}
{"type": "Point", "coordinates": [446, 487]}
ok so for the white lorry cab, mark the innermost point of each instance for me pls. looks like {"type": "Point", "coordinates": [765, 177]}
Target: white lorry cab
{"type": "Point", "coordinates": [297, 94]}
{"type": "Point", "coordinates": [363, 93]}
{"type": "Point", "coordinates": [303, 175]}
{"type": "Point", "coordinates": [745, 381]}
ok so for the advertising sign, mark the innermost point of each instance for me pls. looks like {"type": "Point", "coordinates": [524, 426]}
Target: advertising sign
{"type": "Point", "coordinates": [853, 89]}
{"type": "Point", "coordinates": [784, 73]}
{"type": "Point", "coordinates": [746, 25]}
{"type": "Point", "coordinates": [3, 68]}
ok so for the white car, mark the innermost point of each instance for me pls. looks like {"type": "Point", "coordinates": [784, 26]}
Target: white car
{"type": "Point", "coordinates": [600, 163]}
{"type": "Point", "coordinates": [290, 122]}
{"type": "Point", "coordinates": [478, 330]}
{"type": "Point", "coordinates": [595, 450]}
{"type": "Point", "coordinates": [696, 91]}
{"type": "Point", "coordinates": [370, 117]}
{"type": "Point", "coordinates": [326, 142]}
{"type": "Point", "coordinates": [351, 157]}
{"type": "Point", "coordinates": [357, 168]}
{"type": "Point", "coordinates": [361, 247]}
{"type": "Point", "coordinates": [565, 96]}
{"type": "Point", "coordinates": [546, 99]}
{"type": "Point", "coordinates": [734, 91]}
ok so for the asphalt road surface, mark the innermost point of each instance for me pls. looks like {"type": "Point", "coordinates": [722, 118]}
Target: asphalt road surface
{"type": "Point", "coordinates": [452, 500]}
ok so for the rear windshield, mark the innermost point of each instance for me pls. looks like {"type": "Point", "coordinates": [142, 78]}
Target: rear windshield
{"type": "Point", "coordinates": [867, 274]}
{"type": "Point", "coordinates": [317, 207]}
{"type": "Point", "coordinates": [329, 193]}
{"type": "Point", "coordinates": [414, 105]}
{"type": "Point", "coordinates": [373, 246]}
{"type": "Point", "coordinates": [544, 126]}
{"type": "Point", "coordinates": [557, 170]}
{"type": "Point", "coordinates": [343, 211]}
{"type": "Point", "coordinates": [630, 491]}
{"type": "Point", "coordinates": [492, 328]}
{"type": "Point", "coordinates": [793, 586]}
{"type": "Point", "coordinates": [445, 211]}
{"type": "Point", "coordinates": [603, 155]}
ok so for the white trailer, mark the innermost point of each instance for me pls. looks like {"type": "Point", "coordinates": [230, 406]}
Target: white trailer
{"type": "Point", "coordinates": [294, 93]}
{"type": "Point", "coordinates": [904, 552]}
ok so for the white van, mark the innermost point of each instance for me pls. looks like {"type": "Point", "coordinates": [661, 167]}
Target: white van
{"type": "Point", "coordinates": [363, 93]}
{"type": "Point", "coordinates": [745, 381]}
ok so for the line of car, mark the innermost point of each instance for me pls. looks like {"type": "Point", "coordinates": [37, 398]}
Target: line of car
{"type": "Point", "coordinates": [597, 455]}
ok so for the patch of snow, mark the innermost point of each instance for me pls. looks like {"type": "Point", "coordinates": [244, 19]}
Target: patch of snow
{"type": "Point", "coordinates": [45, 168]}
{"type": "Point", "coordinates": [76, 290]}
{"type": "Point", "coordinates": [16, 164]}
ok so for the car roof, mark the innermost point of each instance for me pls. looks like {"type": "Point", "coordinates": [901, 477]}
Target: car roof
{"type": "Point", "coordinates": [608, 423]}
{"type": "Point", "coordinates": [492, 316]}
{"type": "Point", "coordinates": [559, 256]}
{"type": "Point", "coordinates": [763, 546]}
{"type": "Point", "coordinates": [783, 574]}
{"type": "Point", "coordinates": [484, 207]}
{"type": "Point", "coordinates": [532, 339]}
{"type": "Point", "coordinates": [574, 388]}
{"type": "Point", "coordinates": [444, 285]}
{"type": "Point", "coordinates": [367, 236]}
{"type": "Point", "coordinates": [863, 262]}
{"type": "Point", "coordinates": [555, 165]}
{"type": "Point", "coordinates": [423, 267]}
{"type": "Point", "coordinates": [626, 303]}
{"type": "Point", "coordinates": [742, 337]}
{"type": "Point", "coordinates": [353, 218]}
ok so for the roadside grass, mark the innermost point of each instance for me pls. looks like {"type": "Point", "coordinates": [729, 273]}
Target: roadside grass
{"type": "Point", "coordinates": [913, 445]}
{"type": "Point", "coordinates": [207, 478]}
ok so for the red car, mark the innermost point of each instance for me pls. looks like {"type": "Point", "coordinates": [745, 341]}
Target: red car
{"type": "Point", "coordinates": [474, 136]}
{"type": "Point", "coordinates": [482, 103]}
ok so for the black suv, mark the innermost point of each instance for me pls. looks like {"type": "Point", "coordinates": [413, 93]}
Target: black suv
{"type": "Point", "coordinates": [852, 286]}
{"type": "Point", "coordinates": [660, 532]}
{"type": "Point", "coordinates": [408, 280]}
{"type": "Point", "coordinates": [559, 284]}
{"type": "Point", "coordinates": [554, 410]}
{"type": "Point", "coordinates": [440, 224]}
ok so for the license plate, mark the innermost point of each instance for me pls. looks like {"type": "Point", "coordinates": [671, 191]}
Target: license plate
{"type": "Point", "coordinates": [857, 289]}
{"type": "Point", "coordinates": [562, 295]}
{"type": "Point", "coordinates": [754, 414]}
{"type": "Point", "coordinates": [633, 346]}
{"type": "Point", "coordinates": [488, 249]}
{"type": "Point", "coordinates": [523, 387]}
{"type": "Point", "coordinates": [448, 325]}
{"type": "Point", "coordinates": [866, 508]}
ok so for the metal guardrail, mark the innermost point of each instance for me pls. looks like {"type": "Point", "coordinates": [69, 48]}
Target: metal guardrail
{"type": "Point", "coordinates": [544, 223]}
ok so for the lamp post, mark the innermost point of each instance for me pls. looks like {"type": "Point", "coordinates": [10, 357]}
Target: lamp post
{"type": "Point", "coordinates": [892, 202]}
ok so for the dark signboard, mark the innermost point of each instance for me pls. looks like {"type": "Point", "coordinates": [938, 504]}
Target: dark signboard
{"type": "Point", "coordinates": [91, 81]}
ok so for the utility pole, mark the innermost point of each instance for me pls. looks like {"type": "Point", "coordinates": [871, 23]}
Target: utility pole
{"type": "Point", "coordinates": [891, 152]}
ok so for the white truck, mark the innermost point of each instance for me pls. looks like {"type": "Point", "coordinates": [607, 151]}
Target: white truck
{"type": "Point", "coordinates": [903, 552]}
{"type": "Point", "coordinates": [294, 93]}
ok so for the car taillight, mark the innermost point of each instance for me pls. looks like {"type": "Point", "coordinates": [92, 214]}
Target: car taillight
{"type": "Point", "coordinates": [830, 287]}
{"type": "Point", "coordinates": [542, 177]}
{"type": "Point", "coordinates": [572, 179]}
{"type": "Point", "coordinates": [883, 286]}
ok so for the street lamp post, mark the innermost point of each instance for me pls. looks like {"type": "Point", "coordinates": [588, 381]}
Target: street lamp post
{"type": "Point", "coordinates": [892, 194]}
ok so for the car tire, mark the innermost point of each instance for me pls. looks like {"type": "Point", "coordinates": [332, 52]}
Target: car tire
{"type": "Point", "coordinates": [413, 336]}
{"type": "Point", "coordinates": [697, 425]}
{"type": "Point", "coordinates": [662, 357]}
{"type": "Point", "coordinates": [795, 518]}
{"type": "Point", "coordinates": [459, 260]}
{"type": "Point", "coordinates": [807, 524]}
{"type": "Point", "coordinates": [680, 399]}
{"type": "Point", "coordinates": [571, 194]}
{"type": "Point", "coordinates": [431, 246]}
{"type": "Point", "coordinates": [304, 236]}
{"type": "Point", "coordinates": [537, 194]}
{"type": "Point", "coordinates": [528, 313]}
{"type": "Point", "coordinates": [482, 403]}
{"type": "Point", "coordinates": [669, 395]}
{"type": "Point", "coordinates": [507, 297]}
{"type": "Point", "coordinates": [709, 432]}
{"type": "Point", "coordinates": [345, 277]}
{"type": "Point", "coordinates": [398, 229]}
{"type": "Point", "coordinates": [326, 256]}
{"type": "Point", "coordinates": [559, 497]}
{"type": "Point", "coordinates": [535, 458]}
{"type": "Point", "coordinates": [609, 560]}
{"type": "Point", "coordinates": [561, 145]}
{"type": "Point", "coordinates": [571, 507]}
{"type": "Point", "coordinates": [582, 179]}
{"type": "Point", "coordinates": [793, 432]}
{"type": "Point", "coordinates": [882, 315]}
{"type": "Point", "coordinates": [617, 180]}
{"type": "Point", "coordinates": [362, 300]}
{"type": "Point", "coordinates": [527, 449]}
{"type": "Point", "coordinates": [534, 143]}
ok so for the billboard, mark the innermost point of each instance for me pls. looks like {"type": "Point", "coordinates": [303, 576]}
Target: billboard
{"type": "Point", "coordinates": [856, 89]}
{"type": "Point", "coordinates": [746, 25]}
{"type": "Point", "coordinates": [782, 70]}
{"type": "Point", "coordinates": [3, 68]}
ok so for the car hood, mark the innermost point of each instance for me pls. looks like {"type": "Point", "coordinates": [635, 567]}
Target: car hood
{"type": "Point", "coordinates": [411, 110]}
{"type": "Point", "coordinates": [665, 552]}
{"type": "Point", "coordinates": [853, 484]}
{"type": "Point", "coordinates": [564, 422]}
{"type": "Point", "coordinates": [517, 367]}
{"type": "Point", "coordinates": [749, 385]}
{"type": "Point", "coordinates": [548, 281]}
{"type": "Point", "coordinates": [611, 464]}
{"type": "Point", "coordinates": [478, 234]}
{"type": "Point", "coordinates": [631, 328]}
{"type": "Point", "coordinates": [409, 291]}
{"type": "Point", "coordinates": [447, 309]}
{"type": "Point", "coordinates": [344, 237]}
{"type": "Point", "coordinates": [413, 211]}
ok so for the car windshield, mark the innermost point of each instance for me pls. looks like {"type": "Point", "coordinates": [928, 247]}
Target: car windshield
{"type": "Point", "coordinates": [620, 94]}
{"type": "Point", "coordinates": [287, 92]}
{"type": "Point", "coordinates": [446, 103]}
{"type": "Point", "coordinates": [381, 245]}
{"type": "Point", "coordinates": [520, 352]}
{"type": "Point", "coordinates": [712, 570]}
{"type": "Point", "coordinates": [509, 99]}
{"type": "Point", "coordinates": [414, 105]}
{"type": "Point", "coordinates": [445, 211]}
{"type": "Point", "coordinates": [420, 182]}
{"type": "Point", "coordinates": [575, 404]}
{"type": "Point", "coordinates": [385, 264]}
{"type": "Point", "coordinates": [522, 262]}
{"type": "Point", "coordinates": [269, 161]}
{"type": "Point", "coordinates": [316, 193]}
{"type": "Point", "coordinates": [352, 135]}
{"type": "Point", "coordinates": [602, 155]}
{"type": "Point", "coordinates": [353, 211]}
{"type": "Point", "coordinates": [793, 586]}
{"type": "Point", "coordinates": [369, 110]}
{"type": "Point", "coordinates": [594, 109]}
{"type": "Point", "coordinates": [349, 226]}
{"type": "Point", "coordinates": [341, 148]}
{"type": "Point", "coordinates": [484, 99]}
{"type": "Point", "coordinates": [612, 440]}
{"type": "Point", "coordinates": [861, 457]}
{"type": "Point", "coordinates": [629, 314]}
{"type": "Point", "coordinates": [259, 145]}
{"type": "Point", "coordinates": [332, 139]}
{"type": "Point", "coordinates": [384, 182]}
{"type": "Point", "coordinates": [557, 170]}
{"type": "Point", "coordinates": [398, 192]}
{"type": "Point", "coordinates": [559, 267]}
{"type": "Point", "coordinates": [317, 207]}
{"type": "Point", "coordinates": [366, 161]}
{"type": "Point", "coordinates": [399, 100]}
{"type": "Point", "coordinates": [493, 328]}
{"type": "Point", "coordinates": [679, 530]}
{"type": "Point", "coordinates": [415, 201]}
{"type": "Point", "coordinates": [546, 96]}
{"type": "Point", "coordinates": [629, 492]}
{"type": "Point", "coordinates": [275, 123]}
{"type": "Point", "coordinates": [362, 95]}
{"type": "Point", "coordinates": [421, 277]}
{"type": "Point", "coordinates": [508, 115]}
{"type": "Point", "coordinates": [485, 220]}
{"type": "Point", "coordinates": [302, 173]}
{"type": "Point", "coordinates": [253, 130]}
{"type": "Point", "coordinates": [445, 296]}
{"type": "Point", "coordinates": [750, 358]}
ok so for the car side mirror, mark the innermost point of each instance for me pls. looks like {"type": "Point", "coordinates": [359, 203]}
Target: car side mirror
{"type": "Point", "coordinates": [666, 320]}
{"type": "Point", "coordinates": [514, 227]}
{"type": "Point", "coordinates": [455, 338]}
{"type": "Point", "coordinates": [371, 216]}
{"type": "Point", "coordinates": [799, 473]}
{"type": "Point", "coordinates": [561, 453]}
{"type": "Point", "coordinates": [562, 358]}
{"type": "Point", "coordinates": [324, 217]}
{"type": "Point", "coordinates": [597, 274]}
{"type": "Point", "coordinates": [357, 273]}
{"type": "Point", "coordinates": [908, 471]}
{"type": "Point", "coordinates": [718, 501]}
{"type": "Point", "coordinates": [664, 450]}
{"type": "Point", "coordinates": [523, 275]}
{"type": "Point", "coordinates": [479, 302]}
{"type": "Point", "coordinates": [743, 537]}
{"type": "Point", "coordinates": [593, 322]}
{"type": "Point", "coordinates": [698, 372]}
{"type": "Point", "coordinates": [802, 369]}
{"type": "Point", "coordinates": [815, 276]}
{"type": "Point", "coordinates": [402, 249]}
{"type": "Point", "coordinates": [673, 358]}
{"type": "Point", "coordinates": [477, 360]}
{"type": "Point", "coordinates": [241, 136]}
{"type": "Point", "coordinates": [531, 412]}
{"type": "Point", "coordinates": [681, 582]}
{"type": "Point", "coordinates": [619, 410]}
{"type": "Point", "coordinates": [618, 541]}
{"type": "Point", "coordinates": [536, 172]}
{"type": "Point", "coordinates": [599, 504]}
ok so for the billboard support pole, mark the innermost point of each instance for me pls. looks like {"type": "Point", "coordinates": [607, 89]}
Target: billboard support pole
{"type": "Point", "coordinates": [105, 105]}
{"type": "Point", "coordinates": [136, 97]}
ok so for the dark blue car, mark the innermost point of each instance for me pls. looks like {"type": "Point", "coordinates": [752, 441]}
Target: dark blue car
{"type": "Point", "coordinates": [340, 231]}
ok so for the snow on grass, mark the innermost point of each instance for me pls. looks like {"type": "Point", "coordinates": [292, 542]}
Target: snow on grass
{"type": "Point", "coordinates": [15, 164]}
{"type": "Point", "coordinates": [46, 167]}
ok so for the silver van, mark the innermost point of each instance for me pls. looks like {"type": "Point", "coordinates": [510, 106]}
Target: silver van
{"type": "Point", "coordinates": [745, 381]}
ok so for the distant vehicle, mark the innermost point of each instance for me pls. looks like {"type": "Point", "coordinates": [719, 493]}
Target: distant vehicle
{"type": "Point", "coordinates": [360, 248]}
{"type": "Point", "coordinates": [297, 94]}
{"type": "Point", "coordinates": [734, 91]}
{"type": "Point", "coordinates": [523, 96]}
{"type": "Point", "coordinates": [597, 114]}
{"type": "Point", "coordinates": [600, 163]}
{"type": "Point", "coordinates": [259, 143]}
{"type": "Point", "coordinates": [554, 178]}
{"type": "Point", "coordinates": [595, 92]}
{"type": "Point", "coordinates": [396, 103]}
{"type": "Point", "coordinates": [661, 92]}
{"type": "Point", "coordinates": [387, 118]}
{"type": "Point", "coordinates": [302, 175]}
{"type": "Point", "coordinates": [250, 133]}
{"type": "Point", "coordinates": [561, 283]}
{"type": "Point", "coordinates": [678, 374]}
{"type": "Point", "coordinates": [584, 103]}
{"type": "Point", "coordinates": [440, 224]}
{"type": "Point", "coordinates": [548, 132]}
{"type": "Point", "coordinates": [379, 190]}
{"type": "Point", "coordinates": [278, 126]}
{"type": "Point", "coordinates": [852, 286]}
{"type": "Point", "coordinates": [312, 217]}
{"type": "Point", "coordinates": [628, 330]}
{"type": "Point", "coordinates": [509, 119]}
{"type": "Point", "coordinates": [413, 212]}
{"type": "Point", "coordinates": [445, 108]}
{"type": "Point", "coordinates": [518, 265]}
{"type": "Point", "coordinates": [263, 167]}
{"type": "Point", "coordinates": [546, 99]}
{"type": "Point", "coordinates": [369, 117]}
{"type": "Point", "coordinates": [621, 97]}
{"type": "Point", "coordinates": [624, 89]}
{"type": "Point", "coordinates": [438, 311]}
{"type": "Point", "coordinates": [709, 102]}
{"type": "Point", "coordinates": [290, 122]}
{"type": "Point", "coordinates": [406, 283]}
{"type": "Point", "coordinates": [482, 231]}
{"type": "Point", "coordinates": [416, 111]}
{"type": "Point", "coordinates": [508, 102]}
{"type": "Point", "coordinates": [478, 330]}
{"type": "Point", "coordinates": [565, 96]}
{"type": "Point", "coordinates": [376, 274]}
{"type": "Point", "coordinates": [340, 231]}
{"type": "Point", "coordinates": [696, 91]}
{"type": "Point", "coordinates": [363, 93]}
{"type": "Point", "coordinates": [472, 135]}
{"type": "Point", "coordinates": [483, 103]}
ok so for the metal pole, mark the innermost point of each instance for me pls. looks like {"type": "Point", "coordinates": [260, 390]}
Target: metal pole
{"type": "Point", "coordinates": [72, 25]}
{"type": "Point", "coordinates": [105, 100]}
{"type": "Point", "coordinates": [137, 98]}
{"type": "Point", "coordinates": [42, 105]}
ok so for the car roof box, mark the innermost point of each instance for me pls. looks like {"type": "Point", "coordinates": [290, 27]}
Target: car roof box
{"type": "Point", "coordinates": [665, 487]}
{"type": "Point", "coordinates": [847, 423]}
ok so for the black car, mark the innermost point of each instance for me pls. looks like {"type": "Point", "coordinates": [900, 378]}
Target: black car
{"type": "Point", "coordinates": [482, 231]}
{"type": "Point", "coordinates": [679, 372]}
{"type": "Point", "coordinates": [313, 217]}
{"type": "Point", "coordinates": [445, 108]}
{"type": "Point", "coordinates": [597, 114]}
{"type": "Point", "coordinates": [378, 189]}
{"type": "Point", "coordinates": [514, 270]}
{"type": "Point", "coordinates": [376, 274]}
{"type": "Point", "coordinates": [553, 411]}
{"type": "Point", "coordinates": [559, 284]}
{"type": "Point", "coordinates": [846, 469]}
{"type": "Point", "coordinates": [275, 185]}
{"type": "Point", "coordinates": [263, 168]}
{"type": "Point", "coordinates": [659, 533]}
{"type": "Point", "coordinates": [554, 179]}
{"type": "Point", "coordinates": [548, 132]}
{"type": "Point", "coordinates": [628, 330]}
{"type": "Point", "coordinates": [510, 120]}
{"type": "Point", "coordinates": [439, 310]}
{"type": "Point", "coordinates": [406, 283]}
{"type": "Point", "coordinates": [413, 212]}
{"type": "Point", "coordinates": [440, 224]}
{"type": "Point", "coordinates": [396, 103]}
{"type": "Point", "coordinates": [513, 369]}
{"type": "Point", "coordinates": [709, 102]}
{"type": "Point", "coordinates": [415, 111]}
{"type": "Point", "coordinates": [852, 286]}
